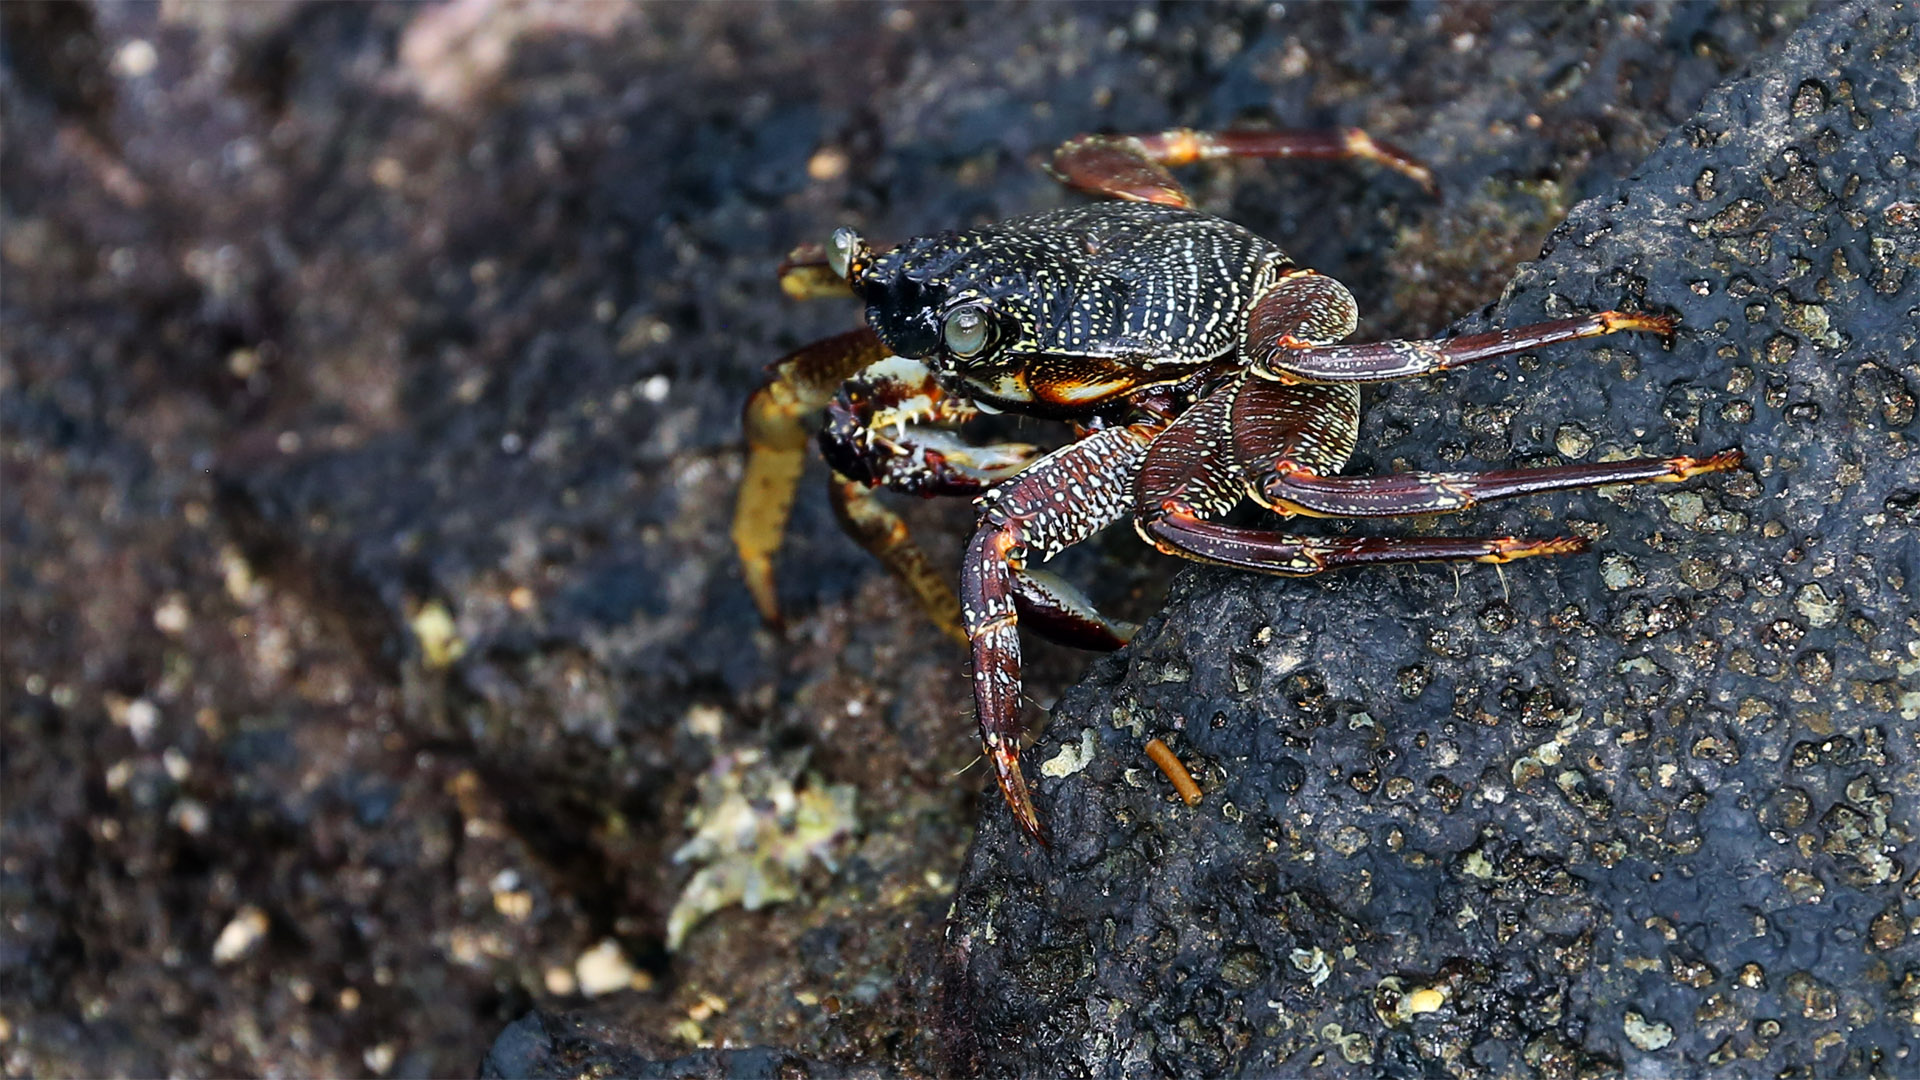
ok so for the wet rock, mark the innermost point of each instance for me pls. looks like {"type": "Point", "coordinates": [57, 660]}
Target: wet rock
{"type": "Point", "coordinates": [1619, 894]}
{"type": "Point", "coordinates": [370, 414]}
{"type": "Point", "coordinates": [541, 1046]}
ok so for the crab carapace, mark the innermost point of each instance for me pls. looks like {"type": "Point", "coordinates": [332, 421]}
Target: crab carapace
{"type": "Point", "coordinates": [1196, 364]}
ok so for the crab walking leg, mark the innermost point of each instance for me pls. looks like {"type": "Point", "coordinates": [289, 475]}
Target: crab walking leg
{"type": "Point", "coordinates": [1278, 349]}
{"type": "Point", "coordinates": [885, 536]}
{"type": "Point", "coordinates": [776, 422]}
{"type": "Point", "coordinates": [1134, 167]}
{"type": "Point", "coordinates": [1054, 609]}
{"type": "Point", "coordinates": [1180, 486]}
{"type": "Point", "coordinates": [1182, 481]}
{"type": "Point", "coordinates": [1175, 530]}
{"type": "Point", "coordinates": [1293, 489]}
{"type": "Point", "coordinates": [1055, 503]}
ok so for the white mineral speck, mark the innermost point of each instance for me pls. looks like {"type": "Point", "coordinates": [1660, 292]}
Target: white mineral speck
{"type": "Point", "coordinates": [241, 936]}
{"type": "Point", "coordinates": [1072, 758]}
{"type": "Point", "coordinates": [142, 717]}
{"type": "Point", "coordinates": [1648, 1035]}
{"type": "Point", "coordinates": [135, 59]}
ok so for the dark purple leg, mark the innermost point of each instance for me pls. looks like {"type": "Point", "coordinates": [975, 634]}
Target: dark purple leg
{"type": "Point", "coordinates": [1294, 328]}
{"type": "Point", "coordinates": [1176, 531]}
{"type": "Point", "coordinates": [1055, 503]}
{"type": "Point", "coordinates": [1134, 167]}
{"type": "Point", "coordinates": [1291, 489]}
{"type": "Point", "coordinates": [1183, 481]}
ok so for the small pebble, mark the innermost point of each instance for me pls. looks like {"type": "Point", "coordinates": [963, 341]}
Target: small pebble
{"type": "Point", "coordinates": [241, 936]}
{"type": "Point", "coordinates": [603, 969]}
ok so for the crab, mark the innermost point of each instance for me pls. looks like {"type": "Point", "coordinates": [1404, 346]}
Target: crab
{"type": "Point", "coordinates": [1196, 365]}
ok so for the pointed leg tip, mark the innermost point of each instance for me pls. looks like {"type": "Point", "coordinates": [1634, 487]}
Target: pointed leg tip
{"type": "Point", "coordinates": [1685, 468]}
{"type": "Point", "coordinates": [765, 600]}
{"type": "Point", "coordinates": [1028, 818]}
{"type": "Point", "coordinates": [1664, 325]}
{"type": "Point", "coordinates": [1419, 174]}
{"type": "Point", "coordinates": [1510, 548]}
{"type": "Point", "coordinates": [1561, 545]}
{"type": "Point", "coordinates": [1035, 831]}
{"type": "Point", "coordinates": [1364, 146]}
{"type": "Point", "coordinates": [1013, 788]}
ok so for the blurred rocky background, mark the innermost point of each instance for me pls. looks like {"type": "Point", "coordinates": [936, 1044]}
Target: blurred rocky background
{"type": "Point", "coordinates": [380, 692]}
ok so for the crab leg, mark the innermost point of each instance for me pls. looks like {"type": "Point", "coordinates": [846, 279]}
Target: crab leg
{"type": "Point", "coordinates": [1293, 489]}
{"type": "Point", "coordinates": [1183, 481]}
{"type": "Point", "coordinates": [776, 422]}
{"type": "Point", "coordinates": [885, 536]}
{"type": "Point", "coordinates": [1053, 504]}
{"type": "Point", "coordinates": [1056, 610]}
{"type": "Point", "coordinates": [1175, 530]}
{"type": "Point", "coordinates": [1134, 167]}
{"type": "Point", "coordinates": [1291, 333]}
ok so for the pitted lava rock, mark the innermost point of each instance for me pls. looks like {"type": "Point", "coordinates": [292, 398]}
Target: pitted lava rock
{"type": "Point", "coordinates": [1645, 811]}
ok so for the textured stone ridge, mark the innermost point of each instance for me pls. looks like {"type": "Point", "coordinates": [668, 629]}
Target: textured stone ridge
{"type": "Point", "coordinates": [1646, 810]}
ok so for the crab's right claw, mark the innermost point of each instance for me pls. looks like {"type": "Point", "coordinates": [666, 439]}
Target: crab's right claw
{"type": "Point", "coordinates": [806, 274]}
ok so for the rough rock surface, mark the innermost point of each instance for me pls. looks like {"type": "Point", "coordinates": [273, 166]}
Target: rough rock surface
{"type": "Point", "coordinates": [539, 1046]}
{"type": "Point", "coordinates": [369, 405]}
{"type": "Point", "coordinates": [1650, 810]}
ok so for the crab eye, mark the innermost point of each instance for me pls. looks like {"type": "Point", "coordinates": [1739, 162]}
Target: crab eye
{"type": "Point", "coordinates": [966, 330]}
{"type": "Point", "coordinates": [840, 249]}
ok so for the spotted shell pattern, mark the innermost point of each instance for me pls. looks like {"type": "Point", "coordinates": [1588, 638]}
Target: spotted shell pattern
{"type": "Point", "coordinates": [1151, 285]}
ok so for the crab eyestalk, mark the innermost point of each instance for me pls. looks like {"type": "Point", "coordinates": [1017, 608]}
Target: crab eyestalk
{"type": "Point", "coordinates": [849, 257]}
